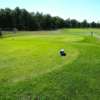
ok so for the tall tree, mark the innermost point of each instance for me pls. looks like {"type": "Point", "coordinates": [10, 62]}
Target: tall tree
{"type": "Point", "coordinates": [24, 20]}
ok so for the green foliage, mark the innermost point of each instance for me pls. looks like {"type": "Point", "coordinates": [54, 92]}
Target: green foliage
{"type": "Point", "coordinates": [24, 20]}
{"type": "Point", "coordinates": [0, 33]}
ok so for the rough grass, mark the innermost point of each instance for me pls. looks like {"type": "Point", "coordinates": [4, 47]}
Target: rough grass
{"type": "Point", "coordinates": [32, 69]}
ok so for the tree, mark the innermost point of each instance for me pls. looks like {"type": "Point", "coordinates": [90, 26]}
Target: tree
{"type": "Point", "coordinates": [0, 33]}
{"type": "Point", "coordinates": [93, 25]}
{"type": "Point", "coordinates": [74, 23]}
{"type": "Point", "coordinates": [85, 24]}
{"type": "Point", "coordinates": [24, 20]}
{"type": "Point", "coordinates": [68, 23]}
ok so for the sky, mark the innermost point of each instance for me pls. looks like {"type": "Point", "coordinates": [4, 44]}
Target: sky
{"type": "Point", "coordinates": [74, 9]}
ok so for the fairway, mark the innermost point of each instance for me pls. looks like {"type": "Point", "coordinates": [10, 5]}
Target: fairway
{"type": "Point", "coordinates": [31, 67]}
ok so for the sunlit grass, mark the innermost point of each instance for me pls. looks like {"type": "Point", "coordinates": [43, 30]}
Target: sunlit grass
{"type": "Point", "coordinates": [31, 67]}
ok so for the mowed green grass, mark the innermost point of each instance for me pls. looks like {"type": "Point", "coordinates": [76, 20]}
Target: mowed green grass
{"type": "Point", "coordinates": [32, 69]}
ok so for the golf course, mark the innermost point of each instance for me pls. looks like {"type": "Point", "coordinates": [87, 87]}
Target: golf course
{"type": "Point", "coordinates": [31, 67]}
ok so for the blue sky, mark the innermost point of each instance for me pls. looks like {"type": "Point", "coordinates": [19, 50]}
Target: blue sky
{"type": "Point", "coordinates": [74, 9]}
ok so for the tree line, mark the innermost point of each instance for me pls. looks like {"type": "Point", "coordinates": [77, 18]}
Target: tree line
{"type": "Point", "coordinates": [21, 19]}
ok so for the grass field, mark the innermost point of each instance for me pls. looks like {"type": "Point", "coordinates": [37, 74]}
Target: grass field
{"type": "Point", "coordinates": [32, 69]}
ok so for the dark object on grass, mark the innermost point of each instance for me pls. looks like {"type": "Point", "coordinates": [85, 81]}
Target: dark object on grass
{"type": "Point", "coordinates": [92, 34]}
{"type": "Point", "coordinates": [15, 30]}
{"type": "Point", "coordinates": [62, 52]}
